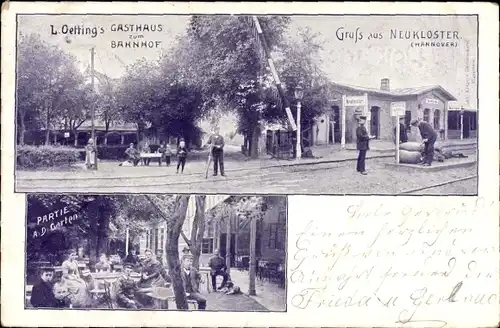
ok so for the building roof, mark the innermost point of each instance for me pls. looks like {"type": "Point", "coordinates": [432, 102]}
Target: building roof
{"type": "Point", "coordinates": [403, 92]}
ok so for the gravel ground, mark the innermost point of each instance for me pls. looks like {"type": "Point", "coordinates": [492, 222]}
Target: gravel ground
{"type": "Point", "coordinates": [329, 178]}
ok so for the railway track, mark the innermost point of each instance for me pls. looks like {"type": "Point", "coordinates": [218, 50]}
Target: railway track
{"type": "Point", "coordinates": [439, 184]}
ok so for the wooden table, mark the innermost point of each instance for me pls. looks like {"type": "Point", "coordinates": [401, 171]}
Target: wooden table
{"type": "Point", "coordinates": [156, 156]}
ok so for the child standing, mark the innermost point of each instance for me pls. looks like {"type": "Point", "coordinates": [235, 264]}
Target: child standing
{"type": "Point", "coordinates": [181, 155]}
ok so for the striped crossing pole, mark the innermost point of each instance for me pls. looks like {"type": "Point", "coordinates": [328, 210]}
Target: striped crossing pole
{"type": "Point", "coordinates": [270, 61]}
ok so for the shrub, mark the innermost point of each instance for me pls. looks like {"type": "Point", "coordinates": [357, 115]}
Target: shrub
{"type": "Point", "coordinates": [33, 157]}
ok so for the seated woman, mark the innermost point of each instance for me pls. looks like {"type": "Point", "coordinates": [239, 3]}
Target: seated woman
{"type": "Point", "coordinates": [77, 287]}
{"type": "Point", "coordinates": [42, 295]}
{"type": "Point", "coordinates": [103, 265]}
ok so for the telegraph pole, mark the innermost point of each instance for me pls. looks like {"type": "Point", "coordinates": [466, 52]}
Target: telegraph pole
{"type": "Point", "coordinates": [92, 82]}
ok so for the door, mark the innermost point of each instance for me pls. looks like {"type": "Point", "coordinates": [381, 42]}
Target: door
{"type": "Point", "coordinates": [466, 125]}
{"type": "Point", "coordinates": [336, 125]}
{"type": "Point", "coordinates": [375, 121]}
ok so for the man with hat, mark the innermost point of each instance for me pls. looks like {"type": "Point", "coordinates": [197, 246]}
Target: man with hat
{"type": "Point", "coordinates": [42, 295]}
{"type": "Point", "coordinates": [126, 287]}
{"type": "Point", "coordinates": [429, 137]}
{"type": "Point", "coordinates": [189, 277]}
{"type": "Point", "coordinates": [217, 143]}
{"type": "Point", "coordinates": [362, 144]}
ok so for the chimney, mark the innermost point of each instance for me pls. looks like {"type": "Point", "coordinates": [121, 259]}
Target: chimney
{"type": "Point", "coordinates": [385, 84]}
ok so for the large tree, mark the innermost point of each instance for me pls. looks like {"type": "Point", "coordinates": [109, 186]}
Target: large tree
{"type": "Point", "coordinates": [173, 209]}
{"type": "Point", "coordinates": [48, 85]}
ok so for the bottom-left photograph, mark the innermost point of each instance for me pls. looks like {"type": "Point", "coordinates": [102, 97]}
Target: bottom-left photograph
{"type": "Point", "coordinates": [156, 252]}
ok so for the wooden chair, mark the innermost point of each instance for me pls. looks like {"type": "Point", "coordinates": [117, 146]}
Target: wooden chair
{"type": "Point", "coordinates": [27, 297]}
{"type": "Point", "coordinates": [166, 294]}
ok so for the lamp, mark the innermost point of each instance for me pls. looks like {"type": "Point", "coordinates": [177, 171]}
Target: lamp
{"type": "Point", "coordinates": [299, 92]}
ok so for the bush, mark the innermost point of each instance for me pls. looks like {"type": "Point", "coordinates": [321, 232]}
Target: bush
{"type": "Point", "coordinates": [33, 157]}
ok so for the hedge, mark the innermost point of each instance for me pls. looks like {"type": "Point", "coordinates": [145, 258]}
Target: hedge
{"type": "Point", "coordinates": [34, 157]}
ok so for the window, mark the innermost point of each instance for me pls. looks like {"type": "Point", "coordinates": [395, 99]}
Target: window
{"type": "Point", "coordinates": [437, 117]}
{"type": "Point", "coordinates": [162, 237]}
{"type": "Point", "coordinates": [453, 120]}
{"type": "Point", "coordinates": [276, 236]}
{"type": "Point", "coordinates": [147, 238]}
{"type": "Point", "coordinates": [427, 113]}
{"type": "Point", "coordinates": [207, 246]}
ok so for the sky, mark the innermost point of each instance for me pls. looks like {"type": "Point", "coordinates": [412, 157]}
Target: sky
{"type": "Point", "coordinates": [360, 62]}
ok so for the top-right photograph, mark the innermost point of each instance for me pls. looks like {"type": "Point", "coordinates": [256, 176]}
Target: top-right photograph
{"type": "Point", "coordinates": [241, 104]}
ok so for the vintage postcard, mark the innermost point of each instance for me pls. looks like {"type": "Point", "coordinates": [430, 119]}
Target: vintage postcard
{"type": "Point", "coordinates": [382, 104]}
{"type": "Point", "coordinates": [207, 164]}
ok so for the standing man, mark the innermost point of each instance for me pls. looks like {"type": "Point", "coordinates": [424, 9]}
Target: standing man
{"type": "Point", "coordinates": [218, 267]}
{"type": "Point", "coordinates": [189, 275]}
{"type": "Point", "coordinates": [362, 144]}
{"type": "Point", "coordinates": [429, 137]}
{"type": "Point", "coordinates": [217, 143]}
{"type": "Point", "coordinates": [403, 133]}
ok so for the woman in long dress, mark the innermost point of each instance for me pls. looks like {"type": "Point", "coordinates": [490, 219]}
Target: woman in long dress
{"type": "Point", "coordinates": [77, 287]}
{"type": "Point", "coordinates": [91, 155]}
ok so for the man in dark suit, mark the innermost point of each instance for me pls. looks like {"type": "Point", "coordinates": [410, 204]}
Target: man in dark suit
{"type": "Point", "coordinates": [189, 276]}
{"type": "Point", "coordinates": [42, 295]}
{"type": "Point", "coordinates": [429, 137]}
{"type": "Point", "coordinates": [362, 144]}
{"type": "Point", "coordinates": [217, 143]}
{"type": "Point", "coordinates": [403, 133]}
{"type": "Point", "coordinates": [218, 267]}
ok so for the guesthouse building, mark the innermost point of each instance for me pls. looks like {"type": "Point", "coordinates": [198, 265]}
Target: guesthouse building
{"type": "Point", "coordinates": [428, 103]}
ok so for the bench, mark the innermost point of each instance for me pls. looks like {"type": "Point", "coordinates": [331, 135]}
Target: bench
{"type": "Point", "coordinates": [149, 156]}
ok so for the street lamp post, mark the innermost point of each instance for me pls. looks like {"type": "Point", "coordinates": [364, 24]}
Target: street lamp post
{"type": "Point", "coordinates": [299, 94]}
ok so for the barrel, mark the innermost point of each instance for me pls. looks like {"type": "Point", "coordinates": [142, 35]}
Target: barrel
{"type": "Point", "coordinates": [409, 157]}
{"type": "Point", "coordinates": [411, 146]}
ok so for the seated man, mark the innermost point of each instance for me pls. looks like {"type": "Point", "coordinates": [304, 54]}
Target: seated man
{"type": "Point", "coordinates": [126, 287]}
{"type": "Point", "coordinates": [42, 295]}
{"type": "Point", "coordinates": [218, 267]}
{"type": "Point", "coordinates": [134, 156]}
{"type": "Point", "coordinates": [189, 275]}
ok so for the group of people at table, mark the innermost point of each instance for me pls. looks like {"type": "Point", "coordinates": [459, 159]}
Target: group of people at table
{"type": "Point", "coordinates": [75, 287]}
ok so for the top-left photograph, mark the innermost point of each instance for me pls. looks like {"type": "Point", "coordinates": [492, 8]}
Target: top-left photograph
{"type": "Point", "coordinates": [243, 104]}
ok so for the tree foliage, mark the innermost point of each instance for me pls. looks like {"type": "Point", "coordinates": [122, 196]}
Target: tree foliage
{"type": "Point", "coordinates": [49, 85]}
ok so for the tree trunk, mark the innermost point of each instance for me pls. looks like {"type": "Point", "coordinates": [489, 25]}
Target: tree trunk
{"type": "Point", "coordinates": [253, 258]}
{"type": "Point", "coordinates": [92, 215]}
{"type": "Point", "coordinates": [174, 227]}
{"type": "Point", "coordinates": [103, 233]}
{"type": "Point", "coordinates": [249, 143]}
{"type": "Point", "coordinates": [228, 241]}
{"type": "Point", "coordinates": [22, 127]}
{"type": "Point", "coordinates": [47, 126]}
{"type": "Point", "coordinates": [236, 235]}
{"type": "Point", "coordinates": [198, 230]}
{"type": "Point", "coordinates": [75, 133]}
{"type": "Point", "coordinates": [254, 149]}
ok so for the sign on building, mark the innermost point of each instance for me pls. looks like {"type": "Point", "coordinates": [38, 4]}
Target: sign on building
{"type": "Point", "coordinates": [431, 101]}
{"type": "Point", "coordinates": [355, 101]}
{"type": "Point", "coordinates": [398, 108]}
